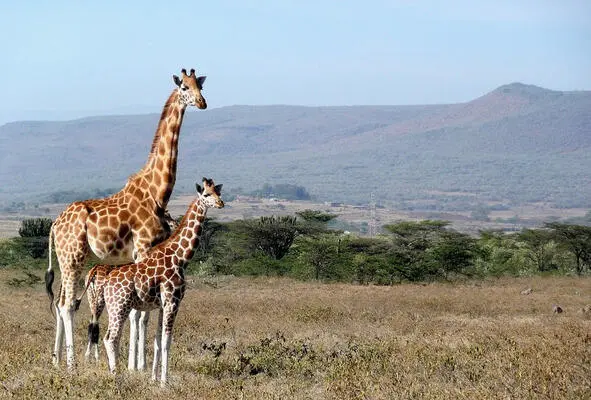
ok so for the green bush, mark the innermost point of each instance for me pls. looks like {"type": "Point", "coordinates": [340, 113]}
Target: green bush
{"type": "Point", "coordinates": [35, 227]}
{"type": "Point", "coordinates": [34, 236]}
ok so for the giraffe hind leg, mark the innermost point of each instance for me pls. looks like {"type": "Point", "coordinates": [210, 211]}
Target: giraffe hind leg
{"type": "Point", "coordinates": [113, 337]}
{"type": "Point", "coordinates": [93, 339]}
{"type": "Point", "coordinates": [59, 331]}
{"type": "Point", "coordinates": [71, 248]}
{"type": "Point", "coordinates": [67, 306]}
{"type": "Point", "coordinates": [59, 338]}
{"type": "Point", "coordinates": [111, 350]}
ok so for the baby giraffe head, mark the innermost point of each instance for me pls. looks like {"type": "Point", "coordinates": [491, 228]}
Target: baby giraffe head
{"type": "Point", "coordinates": [210, 193]}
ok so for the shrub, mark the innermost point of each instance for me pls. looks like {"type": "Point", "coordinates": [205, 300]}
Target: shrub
{"type": "Point", "coordinates": [35, 227]}
{"type": "Point", "coordinates": [34, 236]}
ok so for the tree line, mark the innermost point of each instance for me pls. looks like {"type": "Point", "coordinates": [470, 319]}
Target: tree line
{"type": "Point", "coordinates": [302, 246]}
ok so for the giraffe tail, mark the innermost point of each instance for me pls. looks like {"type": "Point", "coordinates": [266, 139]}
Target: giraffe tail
{"type": "Point", "coordinates": [49, 274]}
{"type": "Point", "coordinates": [93, 326]}
{"type": "Point", "coordinates": [90, 277]}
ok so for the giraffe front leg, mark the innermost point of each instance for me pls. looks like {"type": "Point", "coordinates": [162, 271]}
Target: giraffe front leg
{"type": "Point", "coordinates": [134, 316]}
{"type": "Point", "coordinates": [166, 340]}
{"type": "Point", "coordinates": [169, 314]}
{"type": "Point", "coordinates": [157, 343]}
{"type": "Point", "coordinates": [141, 346]}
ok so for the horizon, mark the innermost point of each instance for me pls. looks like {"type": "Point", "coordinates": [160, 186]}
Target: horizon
{"type": "Point", "coordinates": [68, 60]}
{"type": "Point", "coordinates": [123, 112]}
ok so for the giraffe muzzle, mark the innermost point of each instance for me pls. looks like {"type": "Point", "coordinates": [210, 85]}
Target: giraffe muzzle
{"type": "Point", "coordinates": [201, 104]}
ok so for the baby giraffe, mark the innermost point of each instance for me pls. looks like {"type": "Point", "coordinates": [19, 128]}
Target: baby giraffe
{"type": "Point", "coordinates": [95, 283]}
{"type": "Point", "coordinates": [158, 281]}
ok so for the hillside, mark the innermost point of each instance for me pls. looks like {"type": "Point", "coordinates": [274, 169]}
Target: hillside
{"type": "Point", "coordinates": [517, 144]}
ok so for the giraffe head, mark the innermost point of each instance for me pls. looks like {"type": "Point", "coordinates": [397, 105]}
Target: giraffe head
{"type": "Point", "coordinates": [210, 193]}
{"type": "Point", "coordinates": [189, 87]}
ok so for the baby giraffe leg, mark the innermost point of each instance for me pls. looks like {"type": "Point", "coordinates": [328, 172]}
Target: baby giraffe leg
{"type": "Point", "coordinates": [117, 316]}
{"type": "Point", "coordinates": [111, 342]}
{"type": "Point", "coordinates": [141, 345]}
{"type": "Point", "coordinates": [96, 303]}
{"type": "Point", "coordinates": [169, 312]}
{"type": "Point", "coordinates": [134, 317]}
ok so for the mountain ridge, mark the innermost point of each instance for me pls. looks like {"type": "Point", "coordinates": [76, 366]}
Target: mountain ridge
{"type": "Point", "coordinates": [404, 153]}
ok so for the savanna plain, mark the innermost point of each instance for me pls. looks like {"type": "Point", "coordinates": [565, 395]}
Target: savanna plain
{"type": "Point", "coordinates": [276, 338]}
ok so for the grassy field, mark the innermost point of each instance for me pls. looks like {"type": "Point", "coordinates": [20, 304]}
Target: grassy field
{"type": "Point", "coordinates": [239, 338]}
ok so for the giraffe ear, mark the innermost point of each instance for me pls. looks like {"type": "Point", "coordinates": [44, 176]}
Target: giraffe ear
{"type": "Point", "coordinates": [200, 81]}
{"type": "Point", "coordinates": [177, 80]}
{"type": "Point", "coordinates": [218, 188]}
{"type": "Point", "coordinates": [199, 188]}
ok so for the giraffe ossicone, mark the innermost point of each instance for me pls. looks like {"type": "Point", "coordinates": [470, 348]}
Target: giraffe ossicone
{"type": "Point", "coordinates": [122, 227]}
{"type": "Point", "coordinates": [156, 282]}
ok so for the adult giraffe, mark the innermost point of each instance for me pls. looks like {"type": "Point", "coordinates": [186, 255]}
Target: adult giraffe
{"type": "Point", "coordinates": [120, 228]}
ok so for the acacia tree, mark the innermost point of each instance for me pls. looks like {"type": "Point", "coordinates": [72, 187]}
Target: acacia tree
{"type": "Point", "coordinates": [537, 242]}
{"type": "Point", "coordinates": [321, 253]}
{"type": "Point", "coordinates": [316, 216]}
{"type": "Point", "coordinates": [370, 259]}
{"type": "Point", "coordinates": [453, 252]}
{"type": "Point", "coordinates": [208, 232]}
{"type": "Point", "coordinates": [575, 239]}
{"type": "Point", "coordinates": [273, 235]}
{"type": "Point", "coordinates": [410, 242]}
{"type": "Point", "coordinates": [497, 253]}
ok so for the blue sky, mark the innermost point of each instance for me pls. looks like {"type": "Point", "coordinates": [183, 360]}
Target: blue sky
{"type": "Point", "coordinates": [67, 59]}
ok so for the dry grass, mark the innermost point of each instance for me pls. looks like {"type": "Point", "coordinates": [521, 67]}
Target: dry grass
{"type": "Point", "coordinates": [281, 339]}
{"type": "Point", "coordinates": [9, 227]}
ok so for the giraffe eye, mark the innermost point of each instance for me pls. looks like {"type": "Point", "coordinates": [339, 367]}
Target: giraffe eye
{"type": "Point", "coordinates": [184, 87]}
{"type": "Point", "coordinates": [207, 195]}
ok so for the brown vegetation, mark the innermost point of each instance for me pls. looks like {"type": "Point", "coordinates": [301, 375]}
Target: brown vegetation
{"type": "Point", "coordinates": [277, 339]}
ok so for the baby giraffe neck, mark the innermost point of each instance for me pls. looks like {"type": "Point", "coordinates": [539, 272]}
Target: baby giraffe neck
{"type": "Point", "coordinates": [186, 237]}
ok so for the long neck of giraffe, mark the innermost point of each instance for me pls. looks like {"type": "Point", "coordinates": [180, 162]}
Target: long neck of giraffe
{"type": "Point", "coordinates": [185, 238]}
{"type": "Point", "coordinates": [160, 169]}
